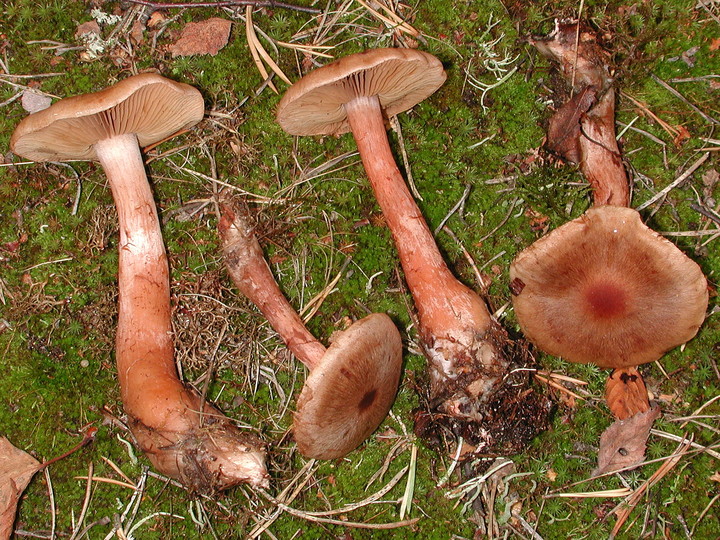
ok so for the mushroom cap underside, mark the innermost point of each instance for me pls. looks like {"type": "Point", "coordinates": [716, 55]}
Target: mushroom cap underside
{"type": "Point", "coordinates": [400, 78]}
{"type": "Point", "coordinates": [604, 288]}
{"type": "Point", "coordinates": [350, 392]}
{"type": "Point", "coordinates": [148, 105]}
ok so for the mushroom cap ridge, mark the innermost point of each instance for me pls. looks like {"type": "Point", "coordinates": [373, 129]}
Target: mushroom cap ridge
{"type": "Point", "coordinates": [604, 288]}
{"type": "Point", "coordinates": [336, 411]}
{"type": "Point", "coordinates": [401, 78]}
{"type": "Point", "coordinates": [148, 105]}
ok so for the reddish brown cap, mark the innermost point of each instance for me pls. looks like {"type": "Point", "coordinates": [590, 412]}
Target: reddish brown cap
{"type": "Point", "coordinates": [148, 105]}
{"type": "Point", "coordinates": [401, 78]}
{"type": "Point", "coordinates": [349, 394]}
{"type": "Point", "coordinates": [605, 288]}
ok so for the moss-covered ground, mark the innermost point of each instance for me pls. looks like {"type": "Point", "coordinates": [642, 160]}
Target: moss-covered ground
{"type": "Point", "coordinates": [58, 266]}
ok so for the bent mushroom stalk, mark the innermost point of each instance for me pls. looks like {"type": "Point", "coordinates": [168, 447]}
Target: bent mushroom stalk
{"type": "Point", "coordinates": [603, 288]}
{"type": "Point", "coordinates": [463, 343]}
{"type": "Point", "coordinates": [352, 384]}
{"type": "Point", "coordinates": [182, 435]}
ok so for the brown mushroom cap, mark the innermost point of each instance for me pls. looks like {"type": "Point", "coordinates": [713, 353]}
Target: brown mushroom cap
{"type": "Point", "coordinates": [148, 105]}
{"type": "Point", "coordinates": [401, 78]}
{"type": "Point", "coordinates": [605, 288]}
{"type": "Point", "coordinates": [336, 411]}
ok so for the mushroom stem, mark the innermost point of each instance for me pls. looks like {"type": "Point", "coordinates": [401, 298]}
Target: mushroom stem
{"type": "Point", "coordinates": [251, 274]}
{"type": "Point", "coordinates": [601, 162]}
{"type": "Point", "coordinates": [585, 65]}
{"type": "Point", "coordinates": [352, 384]}
{"type": "Point", "coordinates": [182, 435]}
{"type": "Point", "coordinates": [454, 321]}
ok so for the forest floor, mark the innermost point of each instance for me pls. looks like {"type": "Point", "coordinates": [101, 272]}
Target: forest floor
{"type": "Point", "coordinates": [487, 187]}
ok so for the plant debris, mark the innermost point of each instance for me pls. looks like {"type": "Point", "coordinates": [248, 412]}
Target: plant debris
{"type": "Point", "coordinates": [626, 394]}
{"type": "Point", "coordinates": [17, 468]}
{"type": "Point", "coordinates": [622, 445]}
{"type": "Point", "coordinates": [205, 37]}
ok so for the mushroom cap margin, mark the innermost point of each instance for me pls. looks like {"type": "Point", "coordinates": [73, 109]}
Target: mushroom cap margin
{"type": "Point", "coordinates": [348, 395]}
{"type": "Point", "coordinates": [149, 105]}
{"type": "Point", "coordinates": [401, 78]}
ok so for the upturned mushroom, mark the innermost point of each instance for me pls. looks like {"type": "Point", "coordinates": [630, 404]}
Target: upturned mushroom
{"type": "Point", "coordinates": [604, 288]}
{"type": "Point", "coordinates": [182, 435]}
{"type": "Point", "coordinates": [463, 343]}
{"type": "Point", "coordinates": [352, 384]}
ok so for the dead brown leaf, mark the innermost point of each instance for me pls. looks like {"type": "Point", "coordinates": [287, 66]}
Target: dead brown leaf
{"type": "Point", "coordinates": [90, 27]}
{"type": "Point", "coordinates": [205, 37]}
{"type": "Point", "coordinates": [137, 32]}
{"type": "Point", "coordinates": [710, 179]}
{"type": "Point", "coordinates": [682, 136]}
{"type": "Point", "coordinates": [623, 443]}
{"type": "Point", "coordinates": [16, 469]}
{"type": "Point", "coordinates": [564, 127]}
{"type": "Point", "coordinates": [626, 394]}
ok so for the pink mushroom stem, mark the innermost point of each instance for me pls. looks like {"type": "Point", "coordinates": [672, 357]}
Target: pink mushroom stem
{"type": "Point", "coordinates": [601, 159]}
{"type": "Point", "coordinates": [453, 319]}
{"type": "Point", "coordinates": [184, 437]}
{"type": "Point", "coordinates": [251, 274]}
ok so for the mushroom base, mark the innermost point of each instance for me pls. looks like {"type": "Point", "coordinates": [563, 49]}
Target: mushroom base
{"type": "Point", "coordinates": [206, 456]}
{"type": "Point", "coordinates": [494, 409]}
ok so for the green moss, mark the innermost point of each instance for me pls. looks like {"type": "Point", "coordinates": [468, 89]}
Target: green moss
{"type": "Point", "coordinates": [62, 312]}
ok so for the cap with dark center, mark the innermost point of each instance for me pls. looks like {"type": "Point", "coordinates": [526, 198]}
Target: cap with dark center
{"type": "Point", "coordinates": [351, 390]}
{"type": "Point", "coordinates": [352, 384]}
{"type": "Point", "coordinates": [400, 78]}
{"type": "Point", "coordinates": [147, 105]}
{"type": "Point", "coordinates": [605, 288]}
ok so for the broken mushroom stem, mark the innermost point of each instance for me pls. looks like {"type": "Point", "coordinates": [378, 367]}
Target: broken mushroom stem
{"type": "Point", "coordinates": [251, 274]}
{"type": "Point", "coordinates": [585, 65]}
{"type": "Point", "coordinates": [352, 384]}
{"type": "Point", "coordinates": [601, 161]}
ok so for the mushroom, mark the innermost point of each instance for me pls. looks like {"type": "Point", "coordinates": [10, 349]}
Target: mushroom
{"type": "Point", "coordinates": [462, 341]}
{"type": "Point", "coordinates": [352, 384]}
{"type": "Point", "coordinates": [605, 288]}
{"type": "Point", "coordinates": [182, 435]}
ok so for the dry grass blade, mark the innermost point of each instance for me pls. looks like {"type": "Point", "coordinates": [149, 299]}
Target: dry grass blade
{"type": "Point", "coordinates": [549, 379]}
{"type": "Point", "coordinates": [313, 50]}
{"type": "Point", "coordinates": [605, 493]}
{"type": "Point", "coordinates": [102, 479]}
{"type": "Point", "coordinates": [700, 409]}
{"type": "Point", "coordinates": [311, 308]}
{"type": "Point", "coordinates": [259, 53]}
{"type": "Point", "coordinates": [704, 513]}
{"type": "Point", "coordinates": [321, 517]}
{"type": "Point", "coordinates": [392, 20]}
{"type": "Point", "coordinates": [707, 449]}
{"type": "Point", "coordinates": [627, 506]}
{"type": "Point", "coordinates": [645, 110]}
{"type": "Point", "coordinates": [253, 44]}
{"type": "Point", "coordinates": [679, 180]}
{"type": "Point", "coordinates": [86, 502]}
